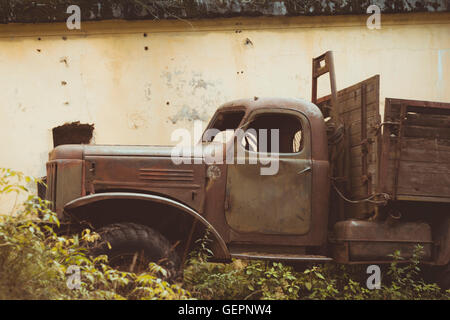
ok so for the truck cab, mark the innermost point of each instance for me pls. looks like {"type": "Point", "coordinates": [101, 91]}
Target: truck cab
{"type": "Point", "coordinates": [264, 190]}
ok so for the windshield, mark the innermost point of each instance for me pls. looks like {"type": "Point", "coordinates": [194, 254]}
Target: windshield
{"type": "Point", "coordinates": [223, 127]}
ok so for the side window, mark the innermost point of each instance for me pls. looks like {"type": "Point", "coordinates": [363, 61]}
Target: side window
{"type": "Point", "coordinates": [290, 133]}
{"type": "Point", "coordinates": [297, 143]}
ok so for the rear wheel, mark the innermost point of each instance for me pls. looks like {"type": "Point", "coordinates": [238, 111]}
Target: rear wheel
{"type": "Point", "coordinates": [443, 278]}
{"type": "Point", "coordinates": [131, 247]}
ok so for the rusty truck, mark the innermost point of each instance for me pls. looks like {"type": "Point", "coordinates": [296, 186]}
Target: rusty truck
{"type": "Point", "coordinates": [350, 187]}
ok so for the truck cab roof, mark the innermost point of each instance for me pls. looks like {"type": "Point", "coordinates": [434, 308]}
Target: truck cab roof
{"type": "Point", "coordinates": [251, 104]}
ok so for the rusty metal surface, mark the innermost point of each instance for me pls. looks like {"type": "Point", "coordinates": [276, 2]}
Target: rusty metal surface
{"type": "Point", "coordinates": [80, 202]}
{"type": "Point", "coordinates": [254, 206]}
{"type": "Point", "coordinates": [127, 151]}
{"type": "Point", "coordinates": [356, 240]}
{"type": "Point", "coordinates": [319, 186]}
{"type": "Point", "coordinates": [281, 257]}
{"type": "Point", "coordinates": [69, 151]}
{"type": "Point", "coordinates": [51, 184]}
{"type": "Point", "coordinates": [147, 174]}
{"type": "Point", "coordinates": [367, 177]}
{"type": "Point", "coordinates": [317, 71]}
{"type": "Point", "coordinates": [64, 182]}
{"type": "Point", "coordinates": [319, 149]}
{"type": "Point", "coordinates": [274, 252]}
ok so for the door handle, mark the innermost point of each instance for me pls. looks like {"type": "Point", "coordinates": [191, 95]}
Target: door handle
{"type": "Point", "coordinates": [304, 170]}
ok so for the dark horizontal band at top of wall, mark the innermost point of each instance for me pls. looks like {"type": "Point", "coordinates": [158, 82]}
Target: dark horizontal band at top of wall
{"type": "Point", "coordinates": [237, 24]}
{"type": "Point", "coordinates": [48, 11]}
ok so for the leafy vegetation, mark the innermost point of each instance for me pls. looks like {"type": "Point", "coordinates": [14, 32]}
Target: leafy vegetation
{"type": "Point", "coordinates": [36, 263]}
{"type": "Point", "coordinates": [272, 280]}
{"type": "Point", "coordinates": [247, 280]}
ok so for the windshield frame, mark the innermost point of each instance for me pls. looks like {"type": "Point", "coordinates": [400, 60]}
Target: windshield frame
{"type": "Point", "coordinates": [223, 111]}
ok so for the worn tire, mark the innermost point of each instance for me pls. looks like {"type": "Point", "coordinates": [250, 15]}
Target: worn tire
{"type": "Point", "coordinates": [130, 242]}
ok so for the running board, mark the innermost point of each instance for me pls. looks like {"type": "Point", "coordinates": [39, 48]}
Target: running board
{"type": "Point", "coordinates": [280, 257]}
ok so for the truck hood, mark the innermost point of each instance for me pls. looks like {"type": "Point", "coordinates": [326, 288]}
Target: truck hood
{"type": "Point", "coordinates": [149, 169]}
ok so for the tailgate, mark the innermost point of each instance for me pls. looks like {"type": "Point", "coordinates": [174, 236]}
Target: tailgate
{"type": "Point", "coordinates": [415, 150]}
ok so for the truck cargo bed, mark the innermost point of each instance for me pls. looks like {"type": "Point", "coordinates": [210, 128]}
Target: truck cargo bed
{"type": "Point", "coordinates": [415, 151]}
{"type": "Point", "coordinates": [406, 156]}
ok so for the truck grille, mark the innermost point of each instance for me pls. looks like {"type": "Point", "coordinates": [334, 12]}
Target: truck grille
{"type": "Point", "coordinates": [51, 184]}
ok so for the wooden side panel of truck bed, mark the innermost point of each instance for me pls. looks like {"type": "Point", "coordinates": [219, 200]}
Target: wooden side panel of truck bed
{"type": "Point", "coordinates": [415, 150]}
{"type": "Point", "coordinates": [359, 106]}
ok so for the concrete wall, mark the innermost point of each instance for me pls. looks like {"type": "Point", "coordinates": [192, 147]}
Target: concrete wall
{"type": "Point", "coordinates": [137, 89]}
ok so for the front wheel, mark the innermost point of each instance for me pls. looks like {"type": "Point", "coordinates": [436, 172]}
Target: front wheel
{"type": "Point", "coordinates": [131, 247]}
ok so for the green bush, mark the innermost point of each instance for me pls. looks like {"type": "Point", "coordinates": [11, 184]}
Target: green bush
{"type": "Point", "coordinates": [274, 280]}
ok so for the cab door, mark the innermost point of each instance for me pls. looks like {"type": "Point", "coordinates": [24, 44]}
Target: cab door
{"type": "Point", "coordinates": [260, 199]}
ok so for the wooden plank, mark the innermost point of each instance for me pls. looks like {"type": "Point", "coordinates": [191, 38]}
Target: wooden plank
{"type": "Point", "coordinates": [424, 167]}
{"type": "Point", "coordinates": [422, 155]}
{"type": "Point", "coordinates": [425, 143]}
{"type": "Point", "coordinates": [421, 179]}
{"type": "Point", "coordinates": [362, 111]}
{"type": "Point", "coordinates": [427, 120]}
{"type": "Point", "coordinates": [407, 197]}
{"type": "Point", "coordinates": [353, 91]}
{"type": "Point", "coordinates": [355, 130]}
{"type": "Point", "coordinates": [358, 183]}
{"type": "Point", "coordinates": [353, 104]}
{"type": "Point", "coordinates": [427, 132]}
{"type": "Point", "coordinates": [391, 112]}
{"type": "Point", "coordinates": [373, 120]}
{"type": "Point", "coordinates": [355, 156]}
{"type": "Point", "coordinates": [356, 171]}
{"type": "Point", "coordinates": [424, 184]}
{"type": "Point", "coordinates": [423, 150]}
{"type": "Point", "coordinates": [424, 105]}
{"type": "Point", "coordinates": [399, 148]}
{"type": "Point", "coordinates": [372, 112]}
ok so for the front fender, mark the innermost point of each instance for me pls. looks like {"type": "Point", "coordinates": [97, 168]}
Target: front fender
{"type": "Point", "coordinates": [221, 250]}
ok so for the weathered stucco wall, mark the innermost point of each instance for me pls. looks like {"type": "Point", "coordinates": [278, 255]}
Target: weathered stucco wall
{"type": "Point", "coordinates": [138, 81]}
